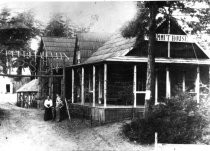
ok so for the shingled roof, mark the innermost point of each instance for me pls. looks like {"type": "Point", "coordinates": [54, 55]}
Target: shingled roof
{"type": "Point", "coordinates": [117, 46]}
{"type": "Point", "coordinates": [61, 47]}
{"type": "Point", "coordinates": [89, 42]}
{"type": "Point", "coordinates": [32, 86]}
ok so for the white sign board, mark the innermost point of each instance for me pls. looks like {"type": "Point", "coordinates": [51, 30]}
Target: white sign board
{"type": "Point", "coordinates": [172, 38]}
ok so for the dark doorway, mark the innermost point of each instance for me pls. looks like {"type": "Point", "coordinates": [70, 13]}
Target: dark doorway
{"type": "Point", "coordinates": [8, 88]}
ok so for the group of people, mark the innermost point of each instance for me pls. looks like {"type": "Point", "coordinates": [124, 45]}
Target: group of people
{"type": "Point", "coordinates": [27, 100]}
{"type": "Point", "coordinates": [51, 112]}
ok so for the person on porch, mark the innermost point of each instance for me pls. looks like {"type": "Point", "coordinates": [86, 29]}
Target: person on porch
{"type": "Point", "coordinates": [48, 104]}
{"type": "Point", "coordinates": [59, 105]}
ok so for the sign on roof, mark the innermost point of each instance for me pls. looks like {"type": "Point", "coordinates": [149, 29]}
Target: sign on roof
{"type": "Point", "coordinates": [172, 38]}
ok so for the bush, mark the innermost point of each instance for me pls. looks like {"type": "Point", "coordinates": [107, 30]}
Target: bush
{"type": "Point", "coordinates": [179, 120]}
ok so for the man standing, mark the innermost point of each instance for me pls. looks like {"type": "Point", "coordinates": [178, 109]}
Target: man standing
{"type": "Point", "coordinates": [59, 105]}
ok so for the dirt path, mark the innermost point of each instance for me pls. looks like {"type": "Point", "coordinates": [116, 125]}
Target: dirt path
{"type": "Point", "coordinates": [24, 130]}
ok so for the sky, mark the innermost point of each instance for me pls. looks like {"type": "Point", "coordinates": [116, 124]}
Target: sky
{"type": "Point", "coordinates": [111, 15]}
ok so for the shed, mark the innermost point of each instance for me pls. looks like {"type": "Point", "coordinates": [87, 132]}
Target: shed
{"type": "Point", "coordinates": [27, 93]}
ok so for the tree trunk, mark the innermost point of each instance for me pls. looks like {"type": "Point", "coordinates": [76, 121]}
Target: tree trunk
{"type": "Point", "coordinates": [150, 82]}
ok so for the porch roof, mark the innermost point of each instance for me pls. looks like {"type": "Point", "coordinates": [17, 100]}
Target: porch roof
{"type": "Point", "coordinates": [117, 46]}
{"type": "Point", "coordinates": [134, 59]}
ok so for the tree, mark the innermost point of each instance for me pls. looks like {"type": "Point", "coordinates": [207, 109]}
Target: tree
{"type": "Point", "coordinates": [56, 26]}
{"type": "Point", "coordinates": [145, 23]}
{"type": "Point", "coordinates": [15, 35]}
{"type": "Point", "coordinates": [62, 26]}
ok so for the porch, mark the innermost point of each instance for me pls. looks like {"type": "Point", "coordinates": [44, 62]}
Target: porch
{"type": "Point", "coordinates": [116, 90]}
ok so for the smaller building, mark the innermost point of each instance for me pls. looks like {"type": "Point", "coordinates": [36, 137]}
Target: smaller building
{"type": "Point", "coordinates": [27, 94]}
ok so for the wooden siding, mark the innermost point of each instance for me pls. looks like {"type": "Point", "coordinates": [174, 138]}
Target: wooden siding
{"type": "Point", "coordinates": [105, 115]}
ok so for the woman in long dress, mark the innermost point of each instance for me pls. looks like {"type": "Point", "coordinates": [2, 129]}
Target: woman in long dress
{"type": "Point", "coordinates": [48, 109]}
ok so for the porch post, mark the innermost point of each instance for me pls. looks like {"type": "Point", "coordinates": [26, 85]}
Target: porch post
{"type": "Point", "coordinates": [134, 85]}
{"type": "Point", "coordinates": [209, 78]}
{"type": "Point", "coordinates": [99, 83]}
{"type": "Point", "coordinates": [82, 89]}
{"type": "Point", "coordinates": [94, 78]}
{"type": "Point", "coordinates": [156, 89]}
{"type": "Point", "coordinates": [64, 80]}
{"type": "Point", "coordinates": [168, 83]}
{"type": "Point", "coordinates": [105, 83]}
{"type": "Point", "coordinates": [72, 87]}
{"type": "Point", "coordinates": [197, 85]}
{"type": "Point", "coordinates": [183, 81]}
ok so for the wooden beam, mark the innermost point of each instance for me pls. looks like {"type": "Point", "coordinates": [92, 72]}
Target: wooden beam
{"type": "Point", "coordinates": [99, 84]}
{"type": "Point", "coordinates": [161, 60]}
{"type": "Point", "coordinates": [44, 76]}
{"type": "Point", "coordinates": [105, 84]}
{"type": "Point", "coordinates": [64, 79]}
{"type": "Point", "coordinates": [134, 85]}
{"type": "Point", "coordinates": [168, 83]}
{"type": "Point", "coordinates": [94, 89]}
{"type": "Point", "coordinates": [197, 85]}
{"type": "Point", "coordinates": [183, 82]}
{"type": "Point", "coordinates": [209, 79]}
{"type": "Point", "coordinates": [82, 89]}
{"type": "Point", "coordinates": [156, 89]}
{"type": "Point", "coordinates": [51, 80]}
{"type": "Point", "coordinates": [169, 44]}
{"type": "Point", "coordinates": [72, 86]}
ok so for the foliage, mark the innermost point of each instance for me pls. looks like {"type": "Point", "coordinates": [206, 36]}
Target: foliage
{"type": "Point", "coordinates": [16, 31]}
{"type": "Point", "coordinates": [139, 26]}
{"type": "Point", "coordinates": [60, 26]}
{"type": "Point", "coordinates": [178, 120]}
{"type": "Point", "coordinates": [149, 15]}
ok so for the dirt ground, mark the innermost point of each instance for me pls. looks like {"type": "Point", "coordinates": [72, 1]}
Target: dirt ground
{"type": "Point", "coordinates": [24, 130]}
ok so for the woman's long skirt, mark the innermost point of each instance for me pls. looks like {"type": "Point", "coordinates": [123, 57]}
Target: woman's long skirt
{"type": "Point", "coordinates": [48, 114]}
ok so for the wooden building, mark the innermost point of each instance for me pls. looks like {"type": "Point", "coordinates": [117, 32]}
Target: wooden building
{"type": "Point", "coordinates": [59, 53]}
{"type": "Point", "coordinates": [110, 84]}
{"type": "Point", "coordinates": [55, 54]}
